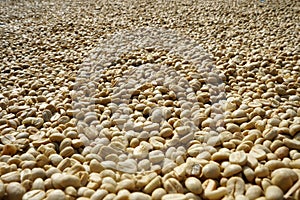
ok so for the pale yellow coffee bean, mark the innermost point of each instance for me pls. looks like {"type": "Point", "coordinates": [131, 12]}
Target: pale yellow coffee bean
{"type": "Point", "coordinates": [261, 171]}
{"type": "Point", "coordinates": [252, 161]}
{"type": "Point", "coordinates": [211, 170]}
{"type": "Point", "coordinates": [152, 185]}
{"type": "Point", "coordinates": [270, 134]}
{"type": "Point", "coordinates": [172, 185]}
{"type": "Point", "coordinates": [63, 164]}
{"type": "Point", "coordinates": [168, 165]}
{"type": "Point", "coordinates": [56, 194]}
{"type": "Point", "coordinates": [295, 164]}
{"type": "Point", "coordinates": [67, 152]}
{"type": "Point", "coordinates": [182, 130]}
{"type": "Point", "coordinates": [158, 193]}
{"type": "Point", "coordinates": [231, 127]}
{"type": "Point", "coordinates": [122, 195]}
{"type": "Point", "coordinates": [110, 196]}
{"type": "Point", "coordinates": [239, 113]}
{"type": "Point", "coordinates": [15, 190]}
{"type": "Point", "coordinates": [174, 196]}
{"type": "Point", "coordinates": [294, 129]}
{"type": "Point", "coordinates": [194, 185]}
{"type": "Point", "coordinates": [128, 166]}
{"type": "Point", "coordinates": [109, 180]}
{"type": "Point", "coordinates": [238, 157]}
{"type": "Point", "coordinates": [65, 180]}
{"type": "Point", "coordinates": [284, 178]}
{"type": "Point", "coordinates": [99, 194]}
{"type": "Point", "coordinates": [34, 194]}
{"type": "Point", "coordinates": [282, 152]}
{"type": "Point", "coordinates": [156, 156]}
{"type": "Point", "coordinates": [71, 191]}
{"type": "Point", "coordinates": [292, 144]}
{"type": "Point", "coordinates": [181, 171]}
{"type": "Point", "coordinates": [139, 196]}
{"type": "Point", "coordinates": [235, 186]}
{"type": "Point", "coordinates": [95, 166]}
{"type": "Point", "coordinates": [241, 197]}
{"type": "Point", "coordinates": [259, 154]}
{"type": "Point", "coordinates": [11, 177]}
{"type": "Point", "coordinates": [232, 169]}
{"type": "Point", "coordinates": [125, 184]}
{"type": "Point", "coordinates": [265, 182]}
{"type": "Point", "coordinates": [253, 192]}
{"type": "Point", "coordinates": [216, 194]}
{"type": "Point", "coordinates": [273, 192]}
{"type": "Point", "coordinates": [274, 164]}
{"type": "Point", "coordinates": [220, 156]}
{"type": "Point", "coordinates": [166, 132]}
{"type": "Point", "coordinates": [38, 184]}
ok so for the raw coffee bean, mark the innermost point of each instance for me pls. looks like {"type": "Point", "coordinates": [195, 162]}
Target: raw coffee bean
{"type": "Point", "coordinates": [152, 185]}
{"type": "Point", "coordinates": [211, 170]}
{"type": "Point", "coordinates": [56, 194]}
{"type": "Point", "coordinates": [172, 185]}
{"type": "Point", "coordinates": [11, 177]}
{"type": "Point", "coordinates": [238, 157]}
{"type": "Point", "coordinates": [99, 194]}
{"type": "Point", "coordinates": [138, 196]}
{"type": "Point", "coordinates": [34, 194]}
{"type": "Point", "coordinates": [232, 169]}
{"type": "Point", "coordinates": [174, 196]}
{"type": "Point", "coordinates": [253, 192]}
{"type": "Point", "coordinates": [261, 171]}
{"type": "Point", "coordinates": [126, 184]}
{"type": "Point", "coordinates": [65, 180]}
{"type": "Point", "coordinates": [235, 186]}
{"type": "Point", "coordinates": [15, 191]}
{"type": "Point", "coordinates": [282, 152]}
{"type": "Point", "coordinates": [158, 193]}
{"type": "Point", "coordinates": [194, 185]}
{"type": "Point", "coordinates": [284, 178]}
{"type": "Point", "coordinates": [33, 121]}
{"type": "Point", "coordinates": [212, 192]}
{"type": "Point", "coordinates": [273, 192]}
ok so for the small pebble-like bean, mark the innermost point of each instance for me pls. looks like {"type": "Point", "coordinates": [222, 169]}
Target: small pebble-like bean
{"type": "Point", "coordinates": [253, 192]}
{"type": "Point", "coordinates": [172, 185]}
{"type": "Point", "coordinates": [174, 197]}
{"type": "Point", "coordinates": [235, 186]}
{"type": "Point", "coordinates": [99, 194]}
{"type": "Point", "coordinates": [232, 169]}
{"type": "Point", "coordinates": [139, 196]}
{"type": "Point", "coordinates": [238, 157]}
{"type": "Point", "coordinates": [284, 178]}
{"type": "Point", "coordinates": [261, 171]}
{"type": "Point", "coordinates": [56, 194]}
{"type": "Point", "coordinates": [34, 194]}
{"type": "Point", "coordinates": [259, 154]}
{"type": "Point", "coordinates": [158, 193]}
{"type": "Point", "coordinates": [38, 184]}
{"type": "Point", "coordinates": [273, 192]}
{"type": "Point", "coordinates": [211, 170]}
{"type": "Point", "coordinates": [152, 185]}
{"type": "Point", "coordinates": [125, 184]}
{"type": "Point", "coordinates": [15, 191]}
{"type": "Point", "coordinates": [11, 177]}
{"type": "Point", "coordinates": [194, 185]}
